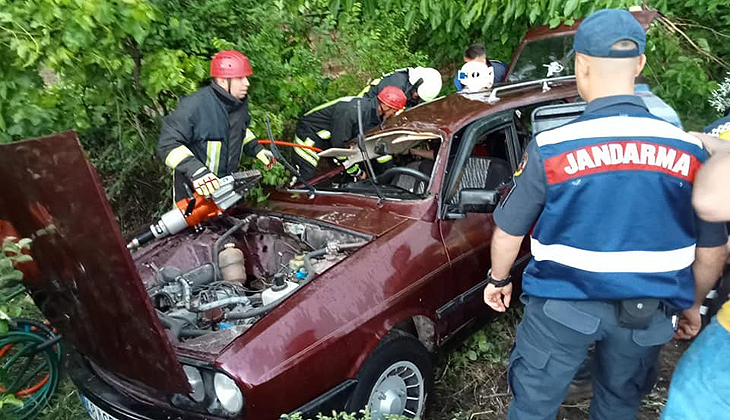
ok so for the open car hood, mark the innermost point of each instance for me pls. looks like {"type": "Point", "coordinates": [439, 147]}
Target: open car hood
{"type": "Point", "coordinates": [84, 279]}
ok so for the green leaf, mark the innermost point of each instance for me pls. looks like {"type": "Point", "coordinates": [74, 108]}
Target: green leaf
{"type": "Point", "coordinates": [424, 9]}
{"type": "Point", "coordinates": [702, 42]}
{"type": "Point", "coordinates": [554, 22]}
{"type": "Point", "coordinates": [334, 7]}
{"type": "Point", "coordinates": [570, 7]}
{"type": "Point", "coordinates": [410, 16]}
{"type": "Point", "coordinates": [472, 355]}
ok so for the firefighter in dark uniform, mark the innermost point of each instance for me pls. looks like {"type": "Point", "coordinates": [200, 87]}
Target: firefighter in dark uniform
{"type": "Point", "coordinates": [204, 138]}
{"type": "Point", "coordinates": [616, 246]}
{"type": "Point", "coordinates": [334, 123]}
{"type": "Point", "coordinates": [420, 84]}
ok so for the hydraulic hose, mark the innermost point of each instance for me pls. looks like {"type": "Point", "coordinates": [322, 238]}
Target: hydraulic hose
{"type": "Point", "coordinates": [318, 253]}
{"type": "Point", "coordinates": [37, 395]}
{"type": "Point", "coordinates": [290, 144]}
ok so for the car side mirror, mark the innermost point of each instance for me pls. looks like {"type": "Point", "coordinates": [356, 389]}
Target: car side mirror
{"type": "Point", "coordinates": [477, 200]}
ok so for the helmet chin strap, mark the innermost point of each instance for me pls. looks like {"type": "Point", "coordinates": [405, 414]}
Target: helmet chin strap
{"type": "Point", "coordinates": [228, 83]}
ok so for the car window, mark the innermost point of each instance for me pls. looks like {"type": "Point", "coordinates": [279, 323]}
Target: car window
{"type": "Point", "coordinates": [548, 57]}
{"type": "Point", "coordinates": [481, 157]}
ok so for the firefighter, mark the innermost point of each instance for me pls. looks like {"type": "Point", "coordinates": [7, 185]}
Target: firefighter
{"type": "Point", "coordinates": [204, 137]}
{"type": "Point", "coordinates": [334, 123]}
{"type": "Point", "coordinates": [420, 84]}
{"type": "Point", "coordinates": [615, 239]}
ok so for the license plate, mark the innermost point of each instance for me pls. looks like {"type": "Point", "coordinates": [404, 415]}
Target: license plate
{"type": "Point", "coordinates": [94, 411]}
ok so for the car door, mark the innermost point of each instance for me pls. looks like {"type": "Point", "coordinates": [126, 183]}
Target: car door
{"type": "Point", "coordinates": [485, 157]}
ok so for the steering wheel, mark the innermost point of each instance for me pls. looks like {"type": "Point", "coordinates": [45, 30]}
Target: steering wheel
{"type": "Point", "coordinates": [387, 176]}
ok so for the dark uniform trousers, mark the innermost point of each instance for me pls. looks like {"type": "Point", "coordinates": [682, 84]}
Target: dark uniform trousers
{"type": "Point", "coordinates": [553, 340]}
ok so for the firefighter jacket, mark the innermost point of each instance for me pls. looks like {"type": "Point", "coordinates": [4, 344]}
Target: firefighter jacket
{"type": "Point", "coordinates": [398, 78]}
{"type": "Point", "coordinates": [334, 123]}
{"type": "Point", "coordinates": [208, 130]}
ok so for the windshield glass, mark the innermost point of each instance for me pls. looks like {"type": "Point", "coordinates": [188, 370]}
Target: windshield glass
{"type": "Point", "coordinates": [403, 174]}
{"type": "Point", "coordinates": [549, 57]}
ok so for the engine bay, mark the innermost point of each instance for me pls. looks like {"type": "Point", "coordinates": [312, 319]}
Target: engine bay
{"type": "Point", "coordinates": [233, 271]}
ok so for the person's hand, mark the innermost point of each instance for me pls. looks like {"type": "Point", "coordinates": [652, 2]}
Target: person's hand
{"type": "Point", "coordinates": [498, 297]}
{"type": "Point", "coordinates": [712, 144]}
{"type": "Point", "coordinates": [206, 184]}
{"type": "Point", "coordinates": [267, 158]}
{"type": "Point", "coordinates": [689, 324]}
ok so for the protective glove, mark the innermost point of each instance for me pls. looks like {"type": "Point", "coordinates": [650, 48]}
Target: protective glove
{"type": "Point", "coordinates": [206, 183]}
{"type": "Point", "coordinates": [267, 158]}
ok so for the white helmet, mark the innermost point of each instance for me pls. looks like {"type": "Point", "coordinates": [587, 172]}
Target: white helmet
{"type": "Point", "coordinates": [430, 88]}
{"type": "Point", "coordinates": [476, 76]}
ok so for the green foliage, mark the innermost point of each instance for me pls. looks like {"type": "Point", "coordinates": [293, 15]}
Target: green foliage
{"type": "Point", "coordinates": [490, 344]}
{"type": "Point", "coordinates": [11, 287]}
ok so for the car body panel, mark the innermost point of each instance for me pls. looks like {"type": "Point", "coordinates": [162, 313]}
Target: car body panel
{"type": "Point", "coordinates": [86, 285]}
{"type": "Point", "coordinates": [344, 312]}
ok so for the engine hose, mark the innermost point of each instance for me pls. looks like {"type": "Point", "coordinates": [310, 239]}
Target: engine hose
{"type": "Point", "coordinates": [233, 300]}
{"type": "Point", "coordinates": [219, 243]}
{"type": "Point", "coordinates": [34, 396]}
{"type": "Point", "coordinates": [318, 253]}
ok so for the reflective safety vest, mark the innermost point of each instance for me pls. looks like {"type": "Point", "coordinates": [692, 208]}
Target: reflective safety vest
{"type": "Point", "coordinates": [618, 220]}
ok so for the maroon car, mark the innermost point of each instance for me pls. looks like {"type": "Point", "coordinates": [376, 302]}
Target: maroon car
{"type": "Point", "coordinates": [311, 301]}
{"type": "Point", "coordinates": [332, 296]}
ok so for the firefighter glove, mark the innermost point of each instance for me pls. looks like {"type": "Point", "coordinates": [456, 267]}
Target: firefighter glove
{"type": "Point", "coordinates": [205, 183]}
{"type": "Point", "coordinates": [267, 158]}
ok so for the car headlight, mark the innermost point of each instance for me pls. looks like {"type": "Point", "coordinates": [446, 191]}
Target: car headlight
{"type": "Point", "coordinates": [228, 393]}
{"type": "Point", "coordinates": [195, 379]}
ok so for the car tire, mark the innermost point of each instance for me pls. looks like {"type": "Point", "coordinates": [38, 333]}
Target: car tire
{"type": "Point", "coordinates": [396, 378]}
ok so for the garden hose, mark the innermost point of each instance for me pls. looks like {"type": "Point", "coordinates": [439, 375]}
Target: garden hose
{"type": "Point", "coordinates": [30, 360]}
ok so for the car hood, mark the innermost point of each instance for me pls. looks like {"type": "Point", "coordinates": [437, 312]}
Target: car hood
{"type": "Point", "coordinates": [84, 279]}
{"type": "Point", "coordinates": [344, 210]}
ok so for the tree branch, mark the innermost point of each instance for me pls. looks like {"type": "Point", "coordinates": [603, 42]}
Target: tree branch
{"type": "Point", "coordinates": [673, 28]}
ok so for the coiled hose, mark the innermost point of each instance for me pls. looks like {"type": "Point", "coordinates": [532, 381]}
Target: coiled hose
{"type": "Point", "coordinates": [24, 358]}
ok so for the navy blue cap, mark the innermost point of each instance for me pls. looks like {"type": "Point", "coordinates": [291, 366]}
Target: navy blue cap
{"type": "Point", "coordinates": [603, 28]}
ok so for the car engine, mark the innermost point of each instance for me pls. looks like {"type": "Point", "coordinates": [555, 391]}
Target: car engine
{"type": "Point", "coordinates": [235, 270]}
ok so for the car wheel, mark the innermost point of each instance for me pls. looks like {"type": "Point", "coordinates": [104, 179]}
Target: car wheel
{"type": "Point", "coordinates": [395, 379]}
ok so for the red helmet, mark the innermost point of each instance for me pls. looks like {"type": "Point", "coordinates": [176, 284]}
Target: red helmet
{"type": "Point", "coordinates": [230, 64]}
{"type": "Point", "coordinates": [393, 97]}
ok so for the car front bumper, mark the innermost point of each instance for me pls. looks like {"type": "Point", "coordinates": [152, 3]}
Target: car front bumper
{"type": "Point", "coordinates": [117, 405]}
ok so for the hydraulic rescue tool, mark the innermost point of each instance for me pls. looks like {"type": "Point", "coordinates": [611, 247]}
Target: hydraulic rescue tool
{"type": "Point", "coordinates": [196, 209]}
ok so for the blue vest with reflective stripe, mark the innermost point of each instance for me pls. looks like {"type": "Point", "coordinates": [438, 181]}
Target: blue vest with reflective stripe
{"type": "Point", "coordinates": [618, 220]}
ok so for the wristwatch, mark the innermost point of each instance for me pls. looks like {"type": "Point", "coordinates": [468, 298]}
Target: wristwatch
{"type": "Point", "coordinates": [498, 283]}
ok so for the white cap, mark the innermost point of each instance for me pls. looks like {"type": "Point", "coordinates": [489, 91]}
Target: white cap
{"type": "Point", "coordinates": [476, 76]}
{"type": "Point", "coordinates": [431, 85]}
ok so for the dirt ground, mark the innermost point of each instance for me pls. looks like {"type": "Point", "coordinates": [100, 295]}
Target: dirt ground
{"type": "Point", "coordinates": [479, 391]}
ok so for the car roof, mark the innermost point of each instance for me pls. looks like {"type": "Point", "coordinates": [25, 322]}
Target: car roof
{"type": "Point", "coordinates": [449, 114]}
